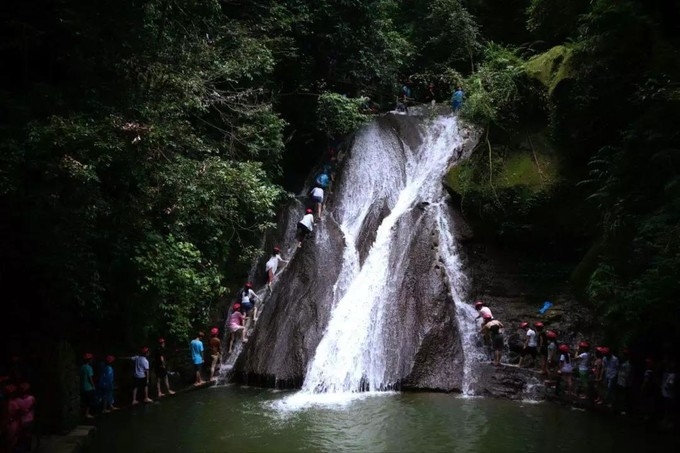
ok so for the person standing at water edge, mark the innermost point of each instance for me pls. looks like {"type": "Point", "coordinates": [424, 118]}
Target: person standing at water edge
{"type": "Point", "coordinates": [305, 227]}
{"type": "Point", "coordinates": [106, 381]}
{"type": "Point", "coordinates": [87, 392]}
{"type": "Point", "coordinates": [161, 368]}
{"type": "Point", "coordinates": [215, 351]}
{"type": "Point", "coordinates": [141, 375]}
{"type": "Point", "coordinates": [494, 326]}
{"type": "Point", "coordinates": [197, 357]}
{"type": "Point", "coordinates": [273, 265]}
{"type": "Point", "coordinates": [530, 344]}
{"type": "Point", "coordinates": [457, 99]}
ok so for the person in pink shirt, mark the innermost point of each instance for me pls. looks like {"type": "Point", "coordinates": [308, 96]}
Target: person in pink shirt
{"type": "Point", "coordinates": [26, 403]}
{"type": "Point", "coordinates": [236, 323]}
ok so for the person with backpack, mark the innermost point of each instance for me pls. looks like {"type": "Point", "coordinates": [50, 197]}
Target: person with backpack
{"type": "Point", "coordinates": [316, 195]}
{"type": "Point", "coordinates": [272, 265]}
{"type": "Point", "coordinates": [305, 227]}
{"type": "Point", "coordinates": [494, 328]}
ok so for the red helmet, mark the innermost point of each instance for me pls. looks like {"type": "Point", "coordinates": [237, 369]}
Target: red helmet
{"type": "Point", "coordinates": [249, 285]}
{"type": "Point", "coordinates": [277, 249]}
{"type": "Point", "coordinates": [110, 359]}
{"type": "Point", "coordinates": [599, 349]}
{"type": "Point", "coordinates": [550, 334]}
{"type": "Point", "coordinates": [24, 387]}
{"type": "Point", "coordinates": [88, 356]}
{"type": "Point", "coordinates": [144, 350]}
{"type": "Point", "coordinates": [606, 350]}
{"type": "Point", "coordinates": [563, 348]}
{"type": "Point", "coordinates": [583, 345]}
{"type": "Point", "coordinates": [487, 316]}
{"type": "Point", "coordinates": [538, 324]}
{"type": "Point", "coordinates": [236, 307]}
{"type": "Point", "coordinates": [214, 331]}
{"type": "Point", "coordinates": [308, 211]}
{"type": "Point", "coordinates": [479, 304]}
{"type": "Point", "coordinates": [524, 325]}
{"type": "Point", "coordinates": [161, 340]}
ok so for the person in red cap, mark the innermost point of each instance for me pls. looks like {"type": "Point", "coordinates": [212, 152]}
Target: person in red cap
{"type": "Point", "coordinates": [161, 368]}
{"type": "Point", "coordinates": [141, 375]}
{"type": "Point", "coordinates": [215, 351]}
{"type": "Point", "coordinates": [236, 323]}
{"type": "Point", "coordinates": [87, 389]}
{"type": "Point", "coordinates": [598, 375]}
{"type": "Point", "coordinates": [272, 265]}
{"type": "Point", "coordinates": [105, 386]}
{"type": "Point", "coordinates": [583, 357]}
{"type": "Point", "coordinates": [565, 368]}
{"type": "Point", "coordinates": [248, 300]}
{"type": "Point", "coordinates": [495, 331]}
{"type": "Point", "coordinates": [305, 226]}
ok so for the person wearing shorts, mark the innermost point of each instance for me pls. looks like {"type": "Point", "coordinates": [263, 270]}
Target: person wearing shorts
{"type": "Point", "coordinates": [316, 194]}
{"type": "Point", "coordinates": [494, 326]}
{"type": "Point", "coordinates": [305, 227]}
{"type": "Point", "coordinates": [197, 357]}
{"type": "Point", "coordinates": [161, 368]}
{"type": "Point", "coordinates": [237, 324]}
{"type": "Point", "coordinates": [141, 376]}
{"type": "Point", "coordinates": [530, 344]}
{"type": "Point", "coordinates": [87, 390]}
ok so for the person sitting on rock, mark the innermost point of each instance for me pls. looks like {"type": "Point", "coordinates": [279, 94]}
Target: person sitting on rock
{"type": "Point", "coordinates": [273, 264]}
{"type": "Point", "coordinates": [316, 194]}
{"type": "Point", "coordinates": [248, 298]}
{"type": "Point", "coordinates": [237, 323]}
{"type": "Point", "coordinates": [494, 328]}
{"type": "Point", "coordinates": [305, 226]}
{"type": "Point", "coordinates": [530, 344]}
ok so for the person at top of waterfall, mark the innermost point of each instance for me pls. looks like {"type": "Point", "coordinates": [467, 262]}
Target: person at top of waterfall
{"type": "Point", "coordinates": [494, 327]}
{"type": "Point", "coordinates": [316, 194]}
{"type": "Point", "coordinates": [457, 99]}
{"type": "Point", "coordinates": [248, 299]}
{"type": "Point", "coordinates": [305, 226]}
{"type": "Point", "coordinates": [542, 345]}
{"type": "Point", "coordinates": [583, 357]}
{"type": "Point", "coordinates": [236, 324]}
{"type": "Point", "coordinates": [482, 309]}
{"type": "Point", "coordinates": [215, 351]}
{"type": "Point", "coordinates": [273, 265]}
{"type": "Point", "coordinates": [530, 344]}
{"type": "Point", "coordinates": [430, 95]}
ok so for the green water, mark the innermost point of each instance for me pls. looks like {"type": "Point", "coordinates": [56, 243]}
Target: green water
{"type": "Point", "coordinates": [241, 419]}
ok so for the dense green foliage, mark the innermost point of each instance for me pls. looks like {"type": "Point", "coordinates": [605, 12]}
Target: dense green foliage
{"type": "Point", "coordinates": [147, 142]}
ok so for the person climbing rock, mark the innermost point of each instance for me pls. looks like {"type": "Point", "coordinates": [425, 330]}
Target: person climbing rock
{"type": "Point", "coordinates": [316, 195]}
{"type": "Point", "coordinates": [530, 344]}
{"type": "Point", "coordinates": [457, 99]}
{"type": "Point", "coordinates": [87, 388]}
{"type": "Point", "coordinates": [141, 375]}
{"type": "Point", "coordinates": [106, 382]}
{"type": "Point", "coordinates": [565, 368]}
{"type": "Point", "coordinates": [305, 227]}
{"type": "Point", "coordinates": [248, 299]}
{"type": "Point", "coordinates": [494, 327]}
{"type": "Point", "coordinates": [323, 180]}
{"type": "Point", "coordinates": [161, 369]}
{"type": "Point", "coordinates": [273, 265]}
{"type": "Point", "coordinates": [583, 357]}
{"type": "Point", "coordinates": [236, 324]}
{"type": "Point", "coordinates": [542, 345]}
{"type": "Point", "coordinates": [215, 351]}
{"type": "Point", "coordinates": [197, 357]}
{"type": "Point", "coordinates": [482, 309]}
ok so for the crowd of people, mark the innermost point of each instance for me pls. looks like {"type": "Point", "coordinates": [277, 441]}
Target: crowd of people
{"type": "Point", "coordinates": [582, 372]}
{"type": "Point", "coordinates": [17, 414]}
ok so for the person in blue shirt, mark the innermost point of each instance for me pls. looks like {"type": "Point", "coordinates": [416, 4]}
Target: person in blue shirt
{"type": "Point", "coordinates": [457, 99]}
{"type": "Point", "coordinates": [106, 379]}
{"type": "Point", "coordinates": [323, 180]}
{"type": "Point", "coordinates": [197, 357]}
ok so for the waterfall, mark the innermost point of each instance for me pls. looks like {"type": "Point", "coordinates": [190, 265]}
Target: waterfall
{"type": "Point", "coordinates": [354, 353]}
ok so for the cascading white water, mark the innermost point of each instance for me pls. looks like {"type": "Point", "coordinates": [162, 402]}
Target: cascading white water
{"type": "Point", "coordinates": [351, 356]}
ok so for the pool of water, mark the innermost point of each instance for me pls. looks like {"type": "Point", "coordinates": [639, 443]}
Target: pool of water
{"type": "Point", "coordinates": [245, 419]}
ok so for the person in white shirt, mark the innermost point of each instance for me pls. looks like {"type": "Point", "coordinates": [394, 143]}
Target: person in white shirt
{"type": "Point", "coordinates": [530, 344]}
{"type": "Point", "coordinates": [482, 310]}
{"type": "Point", "coordinates": [273, 264]}
{"type": "Point", "coordinates": [316, 194]}
{"type": "Point", "coordinates": [248, 299]}
{"type": "Point", "coordinates": [141, 375]}
{"type": "Point", "coordinates": [305, 226]}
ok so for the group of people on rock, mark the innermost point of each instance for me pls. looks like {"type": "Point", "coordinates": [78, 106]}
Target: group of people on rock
{"type": "Point", "coordinates": [406, 96]}
{"type": "Point", "coordinates": [17, 414]}
{"type": "Point", "coordinates": [581, 371]}
{"type": "Point", "coordinates": [322, 184]}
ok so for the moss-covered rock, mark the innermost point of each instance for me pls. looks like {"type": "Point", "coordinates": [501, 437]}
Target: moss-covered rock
{"type": "Point", "coordinates": [551, 67]}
